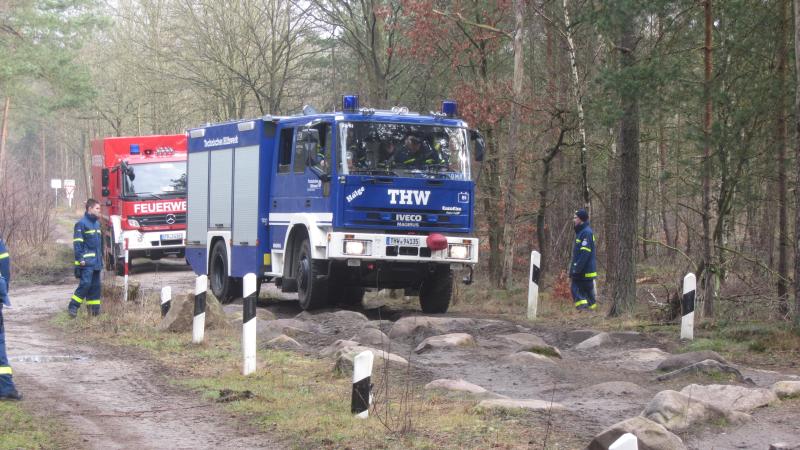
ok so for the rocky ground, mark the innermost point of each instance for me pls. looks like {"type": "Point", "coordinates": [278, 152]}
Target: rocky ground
{"type": "Point", "coordinates": [595, 385]}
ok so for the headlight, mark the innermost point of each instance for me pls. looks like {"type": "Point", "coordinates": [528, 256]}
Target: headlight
{"type": "Point", "coordinates": [133, 223]}
{"type": "Point", "coordinates": [458, 251]}
{"type": "Point", "coordinates": [355, 247]}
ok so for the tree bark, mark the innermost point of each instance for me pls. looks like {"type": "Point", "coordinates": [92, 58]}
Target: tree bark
{"type": "Point", "coordinates": [781, 142]}
{"type": "Point", "coordinates": [797, 167]}
{"type": "Point", "coordinates": [576, 91]}
{"type": "Point", "coordinates": [3, 137]}
{"type": "Point", "coordinates": [514, 146]}
{"type": "Point", "coordinates": [708, 269]}
{"type": "Point", "coordinates": [624, 294]}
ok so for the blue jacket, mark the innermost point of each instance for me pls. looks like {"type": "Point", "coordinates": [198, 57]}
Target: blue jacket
{"type": "Point", "coordinates": [584, 265]}
{"type": "Point", "coordinates": [5, 272]}
{"type": "Point", "coordinates": [88, 242]}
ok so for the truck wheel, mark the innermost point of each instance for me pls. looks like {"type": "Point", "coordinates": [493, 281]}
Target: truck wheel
{"type": "Point", "coordinates": [311, 290]}
{"type": "Point", "coordinates": [223, 287]}
{"type": "Point", "coordinates": [118, 262]}
{"type": "Point", "coordinates": [436, 290]}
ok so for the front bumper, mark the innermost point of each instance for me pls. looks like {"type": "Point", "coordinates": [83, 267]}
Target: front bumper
{"type": "Point", "coordinates": [154, 240]}
{"type": "Point", "coordinates": [400, 247]}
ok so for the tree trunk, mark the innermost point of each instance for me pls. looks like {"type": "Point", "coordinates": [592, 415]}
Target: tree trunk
{"type": "Point", "coordinates": [491, 198]}
{"type": "Point", "coordinates": [708, 269]}
{"type": "Point", "coordinates": [612, 219]}
{"type": "Point", "coordinates": [514, 146]}
{"type": "Point", "coordinates": [576, 91]}
{"type": "Point", "coordinates": [781, 142]}
{"type": "Point", "coordinates": [662, 188]}
{"type": "Point", "coordinates": [797, 166]}
{"type": "Point", "coordinates": [4, 137]}
{"type": "Point", "coordinates": [624, 298]}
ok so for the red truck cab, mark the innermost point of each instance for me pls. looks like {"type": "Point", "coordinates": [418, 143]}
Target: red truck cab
{"type": "Point", "coordinates": [140, 182]}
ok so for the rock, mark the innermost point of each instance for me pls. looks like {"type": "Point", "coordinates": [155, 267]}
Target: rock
{"type": "Point", "coordinates": [336, 346]}
{"type": "Point", "coordinates": [383, 325]}
{"type": "Point", "coordinates": [645, 359]}
{"type": "Point", "coordinates": [510, 403]}
{"type": "Point", "coordinates": [784, 446]}
{"type": "Point", "coordinates": [372, 337]}
{"type": "Point", "coordinates": [181, 314]}
{"type": "Point", "coordinates": [677, 412]}
{"type": "Point", "coordinates": [527, 359]}
{"type": "Point", "coordinates": [283, 342]}
{"type": "Point", "coordinates": [612, 389]}
{"type": "Point", "coordinates": [580, 335]}
{"type": "Point", "coordinates": [651, 435]}
{"type": "Point", "coordinates": [707, 367]}
{"type": "Point", "coordinates": [681, 360]}
{"type": "Point", "coordinates": [786, 389]}
{"type": "Point", "coordinates": [235, 314]}
{"type": "Point", "coordinates": [731, 397]}
{"type": "Point", "coordinates": [446, 341]}
{"type": "Point", "coordinates": [626, 337]}
{"type": "Point", "coordinates": [594, 342]}
{"type": "Point", "coordinates": [345, 356]}
{"type": "Point", "coordinates": [456, 385]}
{"type": "Point", "coordinates": [291, 327]}
{"type": "Point", "coordinates": [351, 316]}
{"type": "Point", "coordinates": [530, 343]}
{"type": "Point", "coordinates": [416, 328]}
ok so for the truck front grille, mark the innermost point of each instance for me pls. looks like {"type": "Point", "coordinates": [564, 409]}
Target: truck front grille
{"type": "Point", "coordinates": [152, 220]}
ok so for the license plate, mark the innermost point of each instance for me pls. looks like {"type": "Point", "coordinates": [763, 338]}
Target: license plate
{"type": "Point", "coordinates": [171, 236]}
{"type": "Point", "coordinates": [403, 241]}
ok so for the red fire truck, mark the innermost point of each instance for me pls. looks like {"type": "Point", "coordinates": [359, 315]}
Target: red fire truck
{"type": "Point", "coordinates": [142, 183]}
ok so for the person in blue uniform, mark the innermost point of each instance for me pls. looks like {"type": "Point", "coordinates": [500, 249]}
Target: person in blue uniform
{"type": "Point", "coordinates": [7, 389]}
{"type": "Point", "coordinates": [87, 241]}
{"type": "Point", "coordinates": [583, 268]}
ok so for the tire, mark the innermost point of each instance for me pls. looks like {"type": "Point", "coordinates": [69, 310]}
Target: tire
{"type": "Point", "coordinates": [225, 288]}
{"type": "Point", "coordinates": [118, 262]}
{"type": "Point", "coordinates": [312, 286]}
{"type": "Point", "coordinates": [436, 291]}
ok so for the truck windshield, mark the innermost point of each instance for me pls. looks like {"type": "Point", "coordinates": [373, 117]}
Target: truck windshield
{"type": "Point", "coordinates": [404, 150]}
{"type": "Point", "coordinates": [157, 180]}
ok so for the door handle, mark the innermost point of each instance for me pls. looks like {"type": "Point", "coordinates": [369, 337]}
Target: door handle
{"type": "Point", "coordinates": [308, 203]}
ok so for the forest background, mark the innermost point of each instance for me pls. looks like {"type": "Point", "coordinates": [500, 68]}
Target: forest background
{"type": "Point", "coordinates": [674, 121]}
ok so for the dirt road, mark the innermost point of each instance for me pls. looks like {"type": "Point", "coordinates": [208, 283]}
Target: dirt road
{"type": "Point", "coordinates": [111, 398]}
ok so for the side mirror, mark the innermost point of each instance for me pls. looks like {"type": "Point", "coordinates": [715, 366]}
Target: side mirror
{"type": "Point", "coordinates": [480, 144]}
{"type": "Point", "coordinates": [310, 139]}
{"type": "Point", "coordinates": [104, 178]}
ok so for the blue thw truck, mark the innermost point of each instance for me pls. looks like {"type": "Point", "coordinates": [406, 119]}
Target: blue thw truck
{"type": "Point", "coordinates": [330, 204]}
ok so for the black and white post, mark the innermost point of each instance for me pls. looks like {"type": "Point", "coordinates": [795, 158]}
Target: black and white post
{"type": "Point", "coordinates": [687, 306]}
{"type": "Point", "coordinates": [533, 286]}
{"type": "Point", "coordinates": [166, 300]}
{"type": "Point", "coordinates": [362, 386]}
{"type": "Point", "coordinates": [249, 324]}
{"type": "Point", "coordinates": [199, 321]}
{"type": "Point", "coordinates": [627, 441]}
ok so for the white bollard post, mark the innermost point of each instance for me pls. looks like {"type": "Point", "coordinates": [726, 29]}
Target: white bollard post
{"type": "Point", "coordinates": [627, 441]}
{"type": "Point", "coordinates": [249, 324]}
{"type": "Point", "coordinates": [166, 300]}
{"type": "Point", "coordinates": [125, 272]}
{"type": "Point", "coordinates": [533, 286]}
{"type": "Point", "coordinates": [362, 387]}
{"type": "Point", "coordinates": [687, 306]}
{"type": "Point", "coordinates": [199, 321]}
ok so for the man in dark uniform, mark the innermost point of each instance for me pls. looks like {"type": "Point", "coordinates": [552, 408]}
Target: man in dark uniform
{"type": "Point", "coordinates": [583, 269]}
{"type": "Point", "coordinates": [87, 242]}
{"type": "Point", "coordinates": [7, 389]}
{"type": "Point", "coordinates": [416, 153]}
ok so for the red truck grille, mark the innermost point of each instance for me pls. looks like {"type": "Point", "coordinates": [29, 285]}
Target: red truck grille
{"type": "Point", "coordinates": [153, 220]}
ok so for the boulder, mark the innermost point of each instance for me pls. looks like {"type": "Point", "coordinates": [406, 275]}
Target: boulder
{"type": "Point", "coordinates": [626, 337]}
{"type": "Point", "coordinates": [345, 356]}
{"type": "Point", "coordinates": [682, 360]}
{"type": "Point", "coordinates": [642, 359]}
{"type": "Point", "coordinates": [336, 346]}
{"type": "Point", "coordinates": [736, 398]}
{"type": "Point", "coordinates": [651, 435]}
{"type": "Point", "coordinates": [785, 446]}
{"type": "Point", "coordinates": [283, 342]}
{"type": "Point", "coordinates": [235, 314]}
{"type": "Point", "coordinates": [372, 337]}
{"type": "Point", "coordinates": [786, 389]}
{"type": "Point", "coordinates": [527, 359]}
{"type": "Point", "coordinates": [383, 325]}
{"type": "Point", "coordinates": [417, 328]}
{"type": "Point", "coordinates": [611, 389]}
{"type": "Point", "coordinates": [268, 329]}
{"type": "Point", "coordinates": [530, 404]}
{"type": "Point", "coordinates": [446, 341]}
{"type": "Point", "coordinates": [708, 367]}
{"type": "Point", "coordinates": [181, 314]}
{"type": "Point", "coordinates": [580, 335]}
{"type": "Point", "coordinates": [595, 341]}
{"type": "Point", "coordinates": [677, 412]}
{"type": "Point", "coordinates": [456, 385]}
{"type": "Point", "coordinates": [530, 343]}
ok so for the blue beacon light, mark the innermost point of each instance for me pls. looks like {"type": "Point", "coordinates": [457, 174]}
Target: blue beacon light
{"type": "Point", "coordinates": [350, 102]}
{"type": "Point", "coordinates": [134, 149]}
{"type": "Point", "coordinates": [449, 108]}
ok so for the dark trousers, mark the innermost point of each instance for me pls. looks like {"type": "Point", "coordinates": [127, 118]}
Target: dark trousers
{"type": "Point", "coordinates": [583, 293]}
{"type": "Point", "coordinates": [6, 383]}
{"type": "Point", "coordinates": [88, 292]}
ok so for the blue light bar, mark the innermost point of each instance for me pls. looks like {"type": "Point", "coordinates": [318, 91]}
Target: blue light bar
{"type": "Point", "coordinates": [449, 108]}
{"type": "Point", "coordinates": [134, 149]}
{"type": "Point", "coordinates": [350, 102]}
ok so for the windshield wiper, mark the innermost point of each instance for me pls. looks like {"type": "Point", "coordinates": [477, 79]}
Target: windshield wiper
{"type": "Point", "coordinates": [374, 172]}
{"type": "Point", "coordinates": [139, 194]}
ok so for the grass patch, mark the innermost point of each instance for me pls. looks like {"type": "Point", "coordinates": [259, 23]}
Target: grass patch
{"type": "Point", "coordinates": [300, 398]}
{"type": "Point", "coordinates": [19, 429]}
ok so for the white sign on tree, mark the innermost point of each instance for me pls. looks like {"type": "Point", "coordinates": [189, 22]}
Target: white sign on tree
{"type": "Point", "coordinates": [69, 188]}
